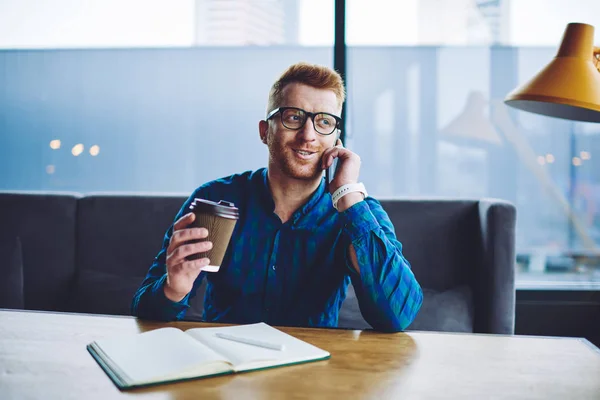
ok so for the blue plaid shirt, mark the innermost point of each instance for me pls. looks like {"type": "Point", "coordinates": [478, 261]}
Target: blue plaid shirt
{"type": "Point", "coordinates": [294, 273]}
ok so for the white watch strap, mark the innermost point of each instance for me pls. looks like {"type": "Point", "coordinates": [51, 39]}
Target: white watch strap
{"type": "Point", "coordinates": [348, 188]}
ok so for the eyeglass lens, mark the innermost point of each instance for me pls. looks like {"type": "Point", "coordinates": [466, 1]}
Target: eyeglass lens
{"type": "Point", "coordinates": [295, 119]}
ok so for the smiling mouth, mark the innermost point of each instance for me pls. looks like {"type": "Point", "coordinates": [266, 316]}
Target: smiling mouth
{"type": "Point", "coordinates": [304, 152]}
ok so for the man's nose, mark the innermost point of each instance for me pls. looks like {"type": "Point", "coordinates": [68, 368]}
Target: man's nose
{"type": "Point", "coordinates": [308, 132]}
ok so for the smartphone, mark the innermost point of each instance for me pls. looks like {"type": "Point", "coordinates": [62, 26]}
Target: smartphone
{"type": "Point", "coordinates": [330, 173]}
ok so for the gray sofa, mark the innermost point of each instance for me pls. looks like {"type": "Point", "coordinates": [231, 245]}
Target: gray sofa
{"type": "Point", "coordinates": [89, 253]}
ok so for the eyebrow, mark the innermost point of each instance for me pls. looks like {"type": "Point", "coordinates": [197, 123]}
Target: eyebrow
{"type": "Point", "coordinates": [312, 112]}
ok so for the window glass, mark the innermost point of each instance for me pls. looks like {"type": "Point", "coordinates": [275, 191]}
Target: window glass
{"type": "Point", "coordinates": [427, 81]}
{"type": "Point", "coordinates": [94, 96]}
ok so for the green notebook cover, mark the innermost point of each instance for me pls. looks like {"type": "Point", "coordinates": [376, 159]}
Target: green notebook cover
{"type": "Point", "coordinates": [155, 356]}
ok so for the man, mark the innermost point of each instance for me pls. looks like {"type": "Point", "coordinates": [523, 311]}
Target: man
{"type": "Point", "coordinates": [292, 253]}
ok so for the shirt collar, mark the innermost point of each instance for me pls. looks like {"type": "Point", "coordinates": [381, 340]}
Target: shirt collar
{"type": "Point", "coordinates": [265, 193]}
{"type": "Point", "coordinates": [309, 205]}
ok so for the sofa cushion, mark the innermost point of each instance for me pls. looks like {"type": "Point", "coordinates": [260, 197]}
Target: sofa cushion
{"type": "Point", "coordinates": [103, 293]}
{"type": "Point", "coordinates": [350, 316]}
{"type": "Point", "coordinates": [45, 224]}
{"type": "Point", "coordinates": [448, 311]}
{"type": "Point", "coordinates": [11, 271]}
{"type": "Point", "coordinates": [196, 303]}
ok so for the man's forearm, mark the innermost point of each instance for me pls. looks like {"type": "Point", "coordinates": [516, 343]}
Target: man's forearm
{"type": "Point", "coordinates": [389, 294]}
{"type": "Point", "coordinates": [150, 302]}
{"type": "Point", "coordinates": [349, 200]}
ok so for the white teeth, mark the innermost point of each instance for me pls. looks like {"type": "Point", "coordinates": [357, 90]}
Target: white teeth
{"type": "Point", "coordinates": [304, 153]}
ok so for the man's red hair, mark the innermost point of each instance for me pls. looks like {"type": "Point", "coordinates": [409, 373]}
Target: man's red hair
{"type": "Point", "coordinates": [317, 76]}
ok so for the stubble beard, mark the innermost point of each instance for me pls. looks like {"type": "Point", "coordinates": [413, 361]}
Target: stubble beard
{"type": "Point", "coordinates": [284, 159]}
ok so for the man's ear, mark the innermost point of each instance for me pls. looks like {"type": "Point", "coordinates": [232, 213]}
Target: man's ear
{"type": "Point", "coordinates": [263, 128]}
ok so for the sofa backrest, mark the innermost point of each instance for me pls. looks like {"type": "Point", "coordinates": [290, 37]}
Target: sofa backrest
{"type": "Point", "coordinates": [44, 224]}
{"type": "Point", "coordinates": [118, 236]}
{"type": "Point", "coordinates": [441, 239]}
{"type": "Point", "coordinates": [121, 234]}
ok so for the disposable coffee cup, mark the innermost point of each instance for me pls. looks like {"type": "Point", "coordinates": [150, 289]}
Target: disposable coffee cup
{"type": "Point", "coordinates": [220, 219]}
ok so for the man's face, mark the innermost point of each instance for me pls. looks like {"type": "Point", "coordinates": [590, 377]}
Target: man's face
{"type": "Point", "coordinates": [297, 153]}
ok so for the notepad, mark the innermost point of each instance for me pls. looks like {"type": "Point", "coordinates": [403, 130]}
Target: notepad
{"type": "Point", "coordinates": [170, 354]}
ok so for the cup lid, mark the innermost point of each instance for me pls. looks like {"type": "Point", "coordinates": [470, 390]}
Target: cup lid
{"type": "Point", "coordinates": [223, 208]}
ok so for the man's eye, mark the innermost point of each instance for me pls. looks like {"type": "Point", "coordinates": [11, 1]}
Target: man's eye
{"type": "Point", "coordinates": [325, 121]}
{"type": "Point", "coordinates": [293, 118]}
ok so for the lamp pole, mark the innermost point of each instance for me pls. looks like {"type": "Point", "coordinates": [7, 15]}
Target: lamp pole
{"type": "Point", "coordinates": [572, 181]}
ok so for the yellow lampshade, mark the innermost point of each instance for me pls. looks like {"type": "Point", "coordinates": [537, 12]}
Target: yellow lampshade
{"type": "Point", "coordinates": [568, 87]}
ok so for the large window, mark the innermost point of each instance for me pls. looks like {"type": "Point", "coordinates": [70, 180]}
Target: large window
{"type": "Point", "coordinates": [161, 96]}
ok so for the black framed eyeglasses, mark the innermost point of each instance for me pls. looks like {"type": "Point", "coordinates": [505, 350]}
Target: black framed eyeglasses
{"type": "Point", "coordinates": [294, 118]}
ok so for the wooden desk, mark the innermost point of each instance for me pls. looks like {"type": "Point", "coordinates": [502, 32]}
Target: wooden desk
{"type": "Point", "coordinates": [43, 356]}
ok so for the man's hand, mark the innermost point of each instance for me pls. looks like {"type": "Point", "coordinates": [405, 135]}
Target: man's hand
{"type": "Point", "coordinates": [348, 170]}
{"type": "Point", "coordinates": [181, 273]}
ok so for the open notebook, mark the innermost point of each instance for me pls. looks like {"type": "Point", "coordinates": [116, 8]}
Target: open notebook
{"type": "Point", "coordinates": [170, 354]}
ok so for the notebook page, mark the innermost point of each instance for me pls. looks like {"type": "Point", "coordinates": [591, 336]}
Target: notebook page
{"type": "Point", "coordinates": [157, 354]}
{"type": "Point", "coordinates": [244, 356]}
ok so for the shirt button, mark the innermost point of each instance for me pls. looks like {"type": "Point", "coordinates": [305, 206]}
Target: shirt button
{"type": "Point", "coordinates": [274, 267]}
